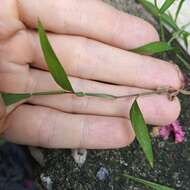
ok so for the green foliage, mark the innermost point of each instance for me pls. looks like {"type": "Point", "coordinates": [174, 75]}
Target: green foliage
{"type": "Point", "coordinates": [10, 98]}
{"type": "Point", "coordinates": [150, 7]}
{"type": "Point", "coordinates": [54, 66]}
{"type": "Point", "coordinates": [168, 21]}
{"type": "Point", "coordinates": [178, 9]}
{"type": "Point", "coordinates": [166, 5]}
{"type": "Point", "coordinates": [152, 185]}
{"type": "Point", "coordinates": [141, 131]}
{"type": "Point", "coordinates": [154, 48]}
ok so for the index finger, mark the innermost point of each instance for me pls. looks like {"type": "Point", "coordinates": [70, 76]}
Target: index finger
{"type": "Point", "coordinates": [92, 19]}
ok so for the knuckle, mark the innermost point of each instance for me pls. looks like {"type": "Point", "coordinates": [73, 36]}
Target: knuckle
{"type": "Point", "coordinates": [46, 129]}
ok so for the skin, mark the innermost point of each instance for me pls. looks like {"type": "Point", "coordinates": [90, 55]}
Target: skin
{"type": "Point", "coordinates": [91, 39]}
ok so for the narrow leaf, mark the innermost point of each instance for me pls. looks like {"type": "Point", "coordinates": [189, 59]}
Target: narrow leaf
{"type": "Point", "coordinates": [10, 98]}
{"type": "Point", "coordinates": [168, 20]}
{"type": "Point", "coordinates": [55, 67]}
{"type": "Point", "coordinates": [183, 61]}
{"type": "Point", "coordinates": [166, 5]}
{"type": "Point", "coordinates": [152, 185]}
{"type": "Point", "coordinates": [178, 9]}
{"type": "Point", "coordinates": [185, 37]}
{"type": "Point", "coordinates": [141, 131]}
{"type": "Point", "coordinates": [154, 48]}
{"type": "Point", "coordinates": [150, 7]}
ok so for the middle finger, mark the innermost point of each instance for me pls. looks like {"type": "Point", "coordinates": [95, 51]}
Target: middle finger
{"type": "Point", "coordinates": [89, 59]}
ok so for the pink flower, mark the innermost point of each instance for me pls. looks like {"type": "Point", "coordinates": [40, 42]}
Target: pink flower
{"type": "Point", "coordinates": [175, 129]}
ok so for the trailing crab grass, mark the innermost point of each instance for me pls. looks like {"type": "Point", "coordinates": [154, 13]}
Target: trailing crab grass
{"type": "Point", "coordinates": [141, 129]}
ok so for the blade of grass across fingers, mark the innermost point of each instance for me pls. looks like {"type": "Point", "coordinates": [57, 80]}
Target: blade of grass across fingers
{"type": "Point", "coordinates": [166, 5]}
{"type": "Point", "coordinates": [141, 132]}
{"type": "Point", "coordinates": [150, 7]}
{"type": "Point", "coordinates": [54, 66]}
{"type": "Point", "coordinates": [153, 48]}
{"type": "Point", "coordinates": [152, 185]}
{"type": "Point", "coordinates": [10, 98]}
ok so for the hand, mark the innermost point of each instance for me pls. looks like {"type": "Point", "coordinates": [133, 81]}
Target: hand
{"type": "Point", "coordinates": [91, 39]}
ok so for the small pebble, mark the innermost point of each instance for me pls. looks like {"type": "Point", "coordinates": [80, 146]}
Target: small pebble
{"type": "Point", "coordinates": [102, 174]}
{"type": "Point", "coordinates": [47, 182]}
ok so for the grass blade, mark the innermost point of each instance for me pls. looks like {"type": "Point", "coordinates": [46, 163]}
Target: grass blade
{"type": "Point", "coordinates": [152, 185]}
{"type": "Point", "coordinates": [150, 7]}
{"type": "Point", "coordinates": [166, 5]}
{"type": "Point", "coordinates": [10, 98]}
{"type": "Point", "coordinates": [141, 131]}
{"type": "Point", "coordinates": [168, 20]}
{"type": "Point", "coordinates": [178, 9]}
{"type": "Point", "coordinates": [183, 61]}
{"type": "Point", "coordinates": [185, 37]}
{"type": "Point", "coordinates": [55, 67]}
{"type": "Point", "coordinates": [154, 48]}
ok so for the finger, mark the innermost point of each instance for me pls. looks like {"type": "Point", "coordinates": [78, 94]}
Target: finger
{"type": "Point", "coordinates": [15, 53]}
{"type": "Point", "coordinates": [157, 109]}
{"type": "Point", "coordinates": [88, 59]}
{"type": "Point", "coordinates": [9, 21]}
{"type": "Point", "coordinates": [39, 126]}
{"type": "Point", "coordinates": [93, 19]}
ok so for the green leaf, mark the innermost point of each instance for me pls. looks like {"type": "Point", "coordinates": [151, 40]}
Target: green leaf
{"type": "Point", "coordinates": [10, 98]}
{"type": "Point", "coordinates": [55, 67]}
{"type": "Point", "coordinates": [152, 185]}
{"type": "Point", "coordinates": [166, 5]}
{"type": "Point", "coordinates": [141, 131]}
{"type": "Point", "coordinates": [178, 9]}
{"type": "Point", "coordinates": [168, 20]}
{"type": "Point", "coordinates": [153, 48]}
{"type": "Point", "coordinates": [150, 7]}
{"type": "Point", "coordinates": [185, 37]}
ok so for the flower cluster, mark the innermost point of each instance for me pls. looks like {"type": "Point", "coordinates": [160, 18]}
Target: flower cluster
{"type": "Point", "coordinates": [174, 129]}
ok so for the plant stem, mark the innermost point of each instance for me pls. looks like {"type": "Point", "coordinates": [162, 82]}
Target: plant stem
{"type": "Point", "coordinates": [101, 95]}
{"type": "Point", "coordinates": [162, 30]}
{"type": "Point", "coordinates": [186, 64]}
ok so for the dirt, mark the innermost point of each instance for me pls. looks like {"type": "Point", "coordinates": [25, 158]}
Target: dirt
{"type": "Point", "coordinates": [172, 162]}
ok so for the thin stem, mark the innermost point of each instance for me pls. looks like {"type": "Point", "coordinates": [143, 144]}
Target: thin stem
{"type": "Point", "coordinates": [178, 9]}
{"type": "Point", "coordinates": [156, 4]}
{"type": "Point", "coordinates": [185, 92]}
{"type": "Point", "coordinates": [186, 64]}
{"type": "Point", "coordinates": [101, 95]}
{"type": "Point", "coordinates": [162, 30]}
{"type": "Point", "coordinates": [55, 92]}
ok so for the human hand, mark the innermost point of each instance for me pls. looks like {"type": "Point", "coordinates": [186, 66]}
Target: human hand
{"type": "Point", "coordinates": [91, 39]}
